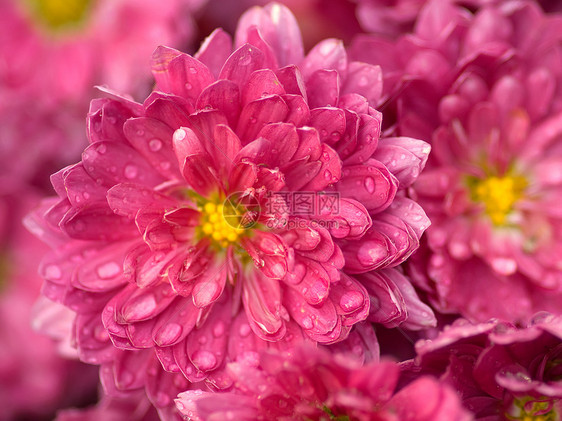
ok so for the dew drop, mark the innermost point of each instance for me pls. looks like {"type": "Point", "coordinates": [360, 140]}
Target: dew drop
{"type": "Point", "coordinates": [351, 300]}
{"type": "Point", "coordinates": [504, 265]}
{"type": "Point", "coordinates": [204, 360]}
{"type": "Point", "coordinates": [188, 86]}
{"type": "Point", "coordinates": [169, 333]}
{"type": "Point", "coordinates": [155, 145]}
{"type": "Point", "coordinates": [245, 330]}
{"type": "Point", "coordinates": [180, 134]}
{"type": "Point", "coordinates": [53, 272]}
{"type": "Point", "coordinates": [101, 149]}
{"type": "Point", "coordinates": [369, 183]}
{"type": "Point", "coordinates": [126, 378]}
{"type": "Point", "coordinates": [131, 171]}
{"type": "Point", "coordinates": [108, 270]}
{"type": "Point", "coordinates": [218, 329]}
{"type": "Point", "coordinates": [307, 323]}
{"type": "Point", "coordinates": [101, 334]}
{"type": "Point", "coordinates": [161, 399]}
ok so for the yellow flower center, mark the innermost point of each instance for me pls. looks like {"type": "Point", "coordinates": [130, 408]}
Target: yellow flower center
{"type": "Point", "coordinates": [498, 195]}
{"type": "Point", "coordinates": [57, 14]}
{"type": "Point", "coordinates": [527, 409]}
{"type": "Point", "coordinates": [221, 224]}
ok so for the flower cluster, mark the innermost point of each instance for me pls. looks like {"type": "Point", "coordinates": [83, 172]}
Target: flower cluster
{"type": "Point", "coordinates": [499, 370]}
{"type": "Point", "coordinates": [279, 227]}
{"type": "Point", "coordinates": [488, 100]}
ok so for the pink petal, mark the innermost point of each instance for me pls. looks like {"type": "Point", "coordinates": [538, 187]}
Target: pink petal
{"type": "Point", "coordinates": [97, 222]}
{"type": "Point", "coordinates": [153, 140]}
{"type": "Point", "coordinates": [371, 184]}
{"type": "Point", "coordinates": [215, 50]}
{"type": "Point", "coordinates": [364, 79]}
{"type": "Point", "coordinates": [279, 29]}
{"type": "Point", "coordinates": [261, 83]}
{"type": "Point", "coordinates": [330, 123]}
{"type": "Point", "coordinates": [323, 88]}
{"type": "Point", "coordinates": [262, 301]}
{"type": "Point", "coordinates": [223, 95]}
{"type": "Point", "coordinates": [114, 163]}
{"type": "Point", "coordinates": [175, 323]}
{"type": "Point", "coordinates": [256, 114]}
{"type": "Point", "coordinates": [387, 304]}
{"type": "Point", "coordinates": [242, 63]}
{"type": "Point", "coordinates": [327, 55]}
{"type": "Point", "coordinates": [292, 81]}
{"type": "Point", "coordinates": [179, 73]}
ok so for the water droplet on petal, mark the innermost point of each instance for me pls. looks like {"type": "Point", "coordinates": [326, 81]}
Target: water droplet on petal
{"type": "Point", "coordinates": [351, 300]}
{"type": "Point", "coordinates": [180, 134]}
{"type": "Point", "coordinates": [245, 330]}
{"type": "Point", "coordinates": [218, 329]}
{"type": "Point", "coordinates": [204, 360]}
{"type": "Point", "coordinates": [169, 333]}
{"type": "Point", "coordinates": [53, 272]}
{"type": "Point", "coordinates": [126, 378]}
{"type": "Point", "coordinates": [504, 265]}
{"type": "Point", "coordinates": [307, 322]}
{"type": "Point", "coordinates": [155, 145]}
{"type": "Point", "coordinates": [101, 148]}
{"type": "Point", "coordinates": [369, 184]}
{"type": "Point", "coordinates": [161, 399]}
{"type": "Point", "coordinates": [188, 86]}
{"type": "Point", "coordinates": [131, 171]}
{"type": "Point", "coordinates": [108, 270]}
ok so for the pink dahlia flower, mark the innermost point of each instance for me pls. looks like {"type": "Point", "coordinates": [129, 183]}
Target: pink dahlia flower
{"type": "Point", "coordinates": [314, 385]}
{"type": "Point", "coordinates": [500, 371]}
{"type": "Point", "coordinates": [247, 203]}
{"type": "Point", "coordinates": [489, 100]}
{"type": "Point", "coordinates": [55, 52]}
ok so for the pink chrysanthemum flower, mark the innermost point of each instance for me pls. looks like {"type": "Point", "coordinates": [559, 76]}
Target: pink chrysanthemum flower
{"type": "Point", "coordinates": [247, 203]}
{"type": "Point", "coordinates": [54, 52]}
{"type": "Point", "coordinates": [489, 100]}
{"type": "Point", "coordinates": [501, 372]}
{"type": "Point", "coordinates": [314, 385]}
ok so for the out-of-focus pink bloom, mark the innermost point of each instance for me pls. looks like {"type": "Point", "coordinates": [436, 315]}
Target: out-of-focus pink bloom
{"type": "Point", "coordinates": [132, 406]}
{"type": "Point", "coordinates": [500, 371]}
{"type": "Point", "coordinates": [488, 97]}
{"type": "Point", "coordinates": [34, 379]}
{"type": "Point", "coordinates": [389, 17]}
{"type": "Point", "coordinates": [318, 19]}
{"type": "Point", "coordinates": [247, 203]}
{"type": "Point", "coordinates": [314, 385]}
{"type": "Point", "coordinates": [54, 53]}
